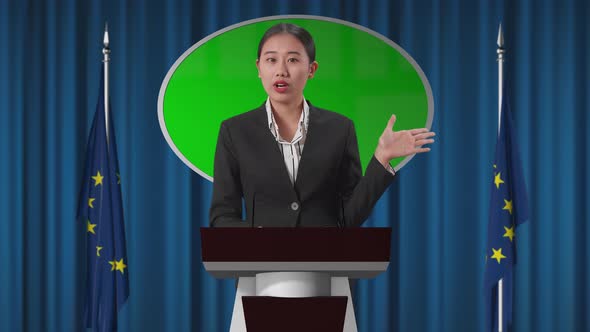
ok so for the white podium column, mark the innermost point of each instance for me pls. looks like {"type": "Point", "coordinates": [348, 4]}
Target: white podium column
{"type": "Point", "coordinates": [341, 287]}
{"type": "Point", "coordinates": [246, 287]}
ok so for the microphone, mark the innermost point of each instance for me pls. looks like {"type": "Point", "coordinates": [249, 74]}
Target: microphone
{"type": "Point", "coordinates": [253, 207]}
{"type": "Point", "coordinates": [340, 221]}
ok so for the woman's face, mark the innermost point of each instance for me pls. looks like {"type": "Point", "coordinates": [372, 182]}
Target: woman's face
{"type": "Point", "coordinates": [284, 68]}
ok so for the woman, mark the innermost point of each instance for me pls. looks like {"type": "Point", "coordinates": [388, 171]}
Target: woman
{"type": "Point", "coordinates": [294, 164]}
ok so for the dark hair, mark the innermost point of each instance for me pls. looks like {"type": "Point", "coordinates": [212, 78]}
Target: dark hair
{"type": "Point", "coordinates": [294, 30]}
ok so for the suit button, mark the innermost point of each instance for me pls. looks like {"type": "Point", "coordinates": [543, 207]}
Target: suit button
{"type": "Point", "coordinates": [294, 206]}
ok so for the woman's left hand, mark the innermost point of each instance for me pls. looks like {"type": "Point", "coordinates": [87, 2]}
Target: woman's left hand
{"type": "Point", "coordinates": [393, 144]}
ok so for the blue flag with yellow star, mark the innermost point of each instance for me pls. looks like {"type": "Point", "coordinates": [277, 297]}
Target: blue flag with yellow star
{"type": "Point", "coordinates": [508, 208]}
{"type": "Point", "coordinates": [101, 210]}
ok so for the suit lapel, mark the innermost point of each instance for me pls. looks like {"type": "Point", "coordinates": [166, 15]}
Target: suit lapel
{"type": "Point", "coordinates": [269, 143]}
{"type": "Point", "coordinates": [309, 149]}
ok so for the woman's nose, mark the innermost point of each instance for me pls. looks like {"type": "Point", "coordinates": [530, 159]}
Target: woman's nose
{"type": "Point", "coordinates": [282, 70]}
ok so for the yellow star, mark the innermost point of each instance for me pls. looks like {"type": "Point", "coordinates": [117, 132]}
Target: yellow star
{"type": "Point", "coordinates": [119, 266]}
{"type": "Point", "coordinates": [97, 179]}
{"type": "Point", "coordinates": [90, 201]}
{"type": "Point", "coordinates": [113, 263]}
{"type": "Point", "coordinates": [118, 178]}
{"type": "Point", "coordinates": [90, 227]}
{"type": "Point", "coordinates": [508, 206]}
{"type": "Point", "coordinates": [509, 232]}
{"type": "Point", "coordinates": [497, 255]}
{"type": "Point", "coordinates": [98, 249]}
{"type": "Point", "coordinates": [498, 180]}
{"type": "Point", "coordinates": [494, 165]}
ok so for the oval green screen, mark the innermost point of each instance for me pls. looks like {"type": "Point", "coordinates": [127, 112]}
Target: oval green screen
{"type": "Point", "coordinates": [361, 74]}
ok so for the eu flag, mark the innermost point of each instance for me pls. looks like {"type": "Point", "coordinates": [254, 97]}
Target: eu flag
{"type": "Point", "coordinates": [101, 210]}
{"type": "Point", "coordinates": [508, 208]}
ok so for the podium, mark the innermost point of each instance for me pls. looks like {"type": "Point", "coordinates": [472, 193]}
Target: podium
{"type": "Point", "coordinates": [294, 279]}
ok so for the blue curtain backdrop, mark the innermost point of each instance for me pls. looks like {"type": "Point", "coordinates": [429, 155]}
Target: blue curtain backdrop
{"type": "Point", "coordinates": [49, 75]}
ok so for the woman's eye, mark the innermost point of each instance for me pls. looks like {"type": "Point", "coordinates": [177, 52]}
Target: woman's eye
{"type": "Point", "coordinates": [270, 60]}
{"type": "Point", "coordinates": [293, 60]}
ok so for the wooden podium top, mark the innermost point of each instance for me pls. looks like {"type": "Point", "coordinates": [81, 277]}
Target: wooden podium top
{"type": "Point", "coordinates": [353, 252]}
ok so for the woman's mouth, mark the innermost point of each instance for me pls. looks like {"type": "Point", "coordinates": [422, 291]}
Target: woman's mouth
{"type": "Point", "coordinates": [280, 86]}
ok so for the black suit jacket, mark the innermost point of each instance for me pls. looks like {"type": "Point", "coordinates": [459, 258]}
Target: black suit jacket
{"type": "Point", "coordinates": [329, 190]}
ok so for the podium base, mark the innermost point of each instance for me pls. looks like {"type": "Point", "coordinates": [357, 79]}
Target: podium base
{"type": "Point", "coordinates": [294, 314]}
{"type": "Point", "coordinates": [286, 286]}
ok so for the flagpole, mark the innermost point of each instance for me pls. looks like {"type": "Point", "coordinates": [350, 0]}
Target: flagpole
{"type": "Point", "coordinates": [105, 53]}
{"type": "Point", "coordinates": [500, 60]}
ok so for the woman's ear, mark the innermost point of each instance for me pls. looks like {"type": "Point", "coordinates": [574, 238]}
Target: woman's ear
{"type": "Point", "coordinates": [258, 67]}
{"type": "Point", "coordinates": [312, 69]}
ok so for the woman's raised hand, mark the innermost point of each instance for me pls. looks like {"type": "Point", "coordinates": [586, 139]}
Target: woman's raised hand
{"type": "Point", "coordinates": [393, 144]}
